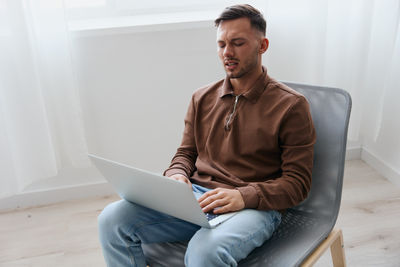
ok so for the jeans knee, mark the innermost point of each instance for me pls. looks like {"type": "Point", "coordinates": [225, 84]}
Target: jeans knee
{"type": "Point", "coordinates": [105, 222]}
{"type": "Point", "coordinates": [208, 253]}
{"type": "Point", "coordinates": [112, 219]}
{"type": "Point", "coordinates": [107, 216]}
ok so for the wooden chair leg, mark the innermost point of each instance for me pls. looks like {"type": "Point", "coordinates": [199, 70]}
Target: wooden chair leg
{"type": "Point", "coordinates": [337, 251]}
{"type": "Point", "coordinates": [335, 242]}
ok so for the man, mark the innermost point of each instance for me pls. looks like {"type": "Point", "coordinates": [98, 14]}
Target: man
{"type": "Point", "coordinates": [247, 146]}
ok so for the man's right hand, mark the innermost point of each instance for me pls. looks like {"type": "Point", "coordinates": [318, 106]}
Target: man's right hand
{"type": "Point", "coordinates": [181, 178]}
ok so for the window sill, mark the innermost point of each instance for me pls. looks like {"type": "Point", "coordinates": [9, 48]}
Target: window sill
{"type": "Point", "coordinates": [142, 23]}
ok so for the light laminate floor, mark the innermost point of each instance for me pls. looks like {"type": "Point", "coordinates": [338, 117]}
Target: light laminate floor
{"type": "Point", "coordinates": [65, 234]}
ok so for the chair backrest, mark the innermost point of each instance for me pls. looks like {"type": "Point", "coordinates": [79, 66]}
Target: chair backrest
{"type": "Point", "coordinates": [330, 110]}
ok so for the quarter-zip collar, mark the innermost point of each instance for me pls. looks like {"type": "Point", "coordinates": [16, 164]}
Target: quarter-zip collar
{"type": "Point", "coordinates": [230, 117]}
{"type": "Point", "coordinates": [253, 93]}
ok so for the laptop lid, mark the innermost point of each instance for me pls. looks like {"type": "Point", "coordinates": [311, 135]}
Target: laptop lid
{"type": "Point", "coordinates": [154, 191]}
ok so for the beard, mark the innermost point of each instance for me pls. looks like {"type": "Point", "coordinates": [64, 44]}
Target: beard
{"type": "Point", "coordinates": [246, 67]}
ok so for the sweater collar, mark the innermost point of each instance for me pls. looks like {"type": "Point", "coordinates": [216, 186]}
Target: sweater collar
{"type": "Point", "coordinates": [253, 93]}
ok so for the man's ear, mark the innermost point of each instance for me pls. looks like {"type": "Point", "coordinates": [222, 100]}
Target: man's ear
{"type": "Point", "coordinates": [264, 45]}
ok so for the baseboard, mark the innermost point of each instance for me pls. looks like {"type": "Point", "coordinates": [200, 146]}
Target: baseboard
{"type": "Point", "coordinates": [55, 195]}
{"type": "Point", "coordinates": [353, 152]}
{"type": "Point", "coordinates": [380, 166]}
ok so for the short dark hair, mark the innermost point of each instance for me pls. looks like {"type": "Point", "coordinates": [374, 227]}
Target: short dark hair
{"type": "Point", "coordinates": [257, 20]}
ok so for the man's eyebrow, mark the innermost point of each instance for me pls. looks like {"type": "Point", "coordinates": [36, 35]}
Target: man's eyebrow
{"type": "Point", "coordinates": [233, 40]}
{"type": "Point", "coordinates": [238, 39]}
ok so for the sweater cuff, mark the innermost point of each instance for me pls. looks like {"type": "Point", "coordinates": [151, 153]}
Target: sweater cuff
{"type": "Point", "coordinates": [170, 172]}
{"type": "Point", "coordinates": [250, 197]}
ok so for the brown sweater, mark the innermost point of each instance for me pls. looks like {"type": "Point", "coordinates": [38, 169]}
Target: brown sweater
{"type": "Point", "coordinates": [262, 145]}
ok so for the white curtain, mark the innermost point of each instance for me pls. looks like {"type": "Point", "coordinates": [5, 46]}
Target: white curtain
{"type": "Point", "coordinates": [41, 129]}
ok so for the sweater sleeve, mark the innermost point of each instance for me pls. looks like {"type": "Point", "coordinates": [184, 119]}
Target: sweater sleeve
{"type": "Point", "coordinates": [296, 140]}
{"type": "Point", "coordinates": [185, 158]}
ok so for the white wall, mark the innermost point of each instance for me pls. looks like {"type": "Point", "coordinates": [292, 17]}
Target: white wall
{"type": "Point", "coordinates": [135, 89]}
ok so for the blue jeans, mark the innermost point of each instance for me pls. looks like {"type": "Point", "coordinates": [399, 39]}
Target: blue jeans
{"type": "Point", "coordinates": [124, 226]}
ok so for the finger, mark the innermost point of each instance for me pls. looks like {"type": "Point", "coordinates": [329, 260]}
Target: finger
{"type": "Point", "coordinates": [215, 204]}
{"type": "Point", "coordinates": [183, 180]}
{"type": "Point", "coordinates": [207, 195]}
{"type": "Point", "coordinates": [220, 209]}
{"type": "Point", "coordinates": [177, 179]}
{"type": "Point", "coordinates": [208, 198]}
{"type": "Point", "coordinates": [186, 180]}
{"type": "Point", "coordinates": [223, 209]}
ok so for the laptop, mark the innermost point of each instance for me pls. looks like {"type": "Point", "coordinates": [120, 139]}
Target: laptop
{"type": "Point", "coordinates": [156, 192]}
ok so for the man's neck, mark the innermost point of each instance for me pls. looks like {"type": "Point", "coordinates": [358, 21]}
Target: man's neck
{"type": "Point", "coordinates": [243, 84]}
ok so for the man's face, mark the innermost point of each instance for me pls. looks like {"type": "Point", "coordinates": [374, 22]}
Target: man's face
{"type": "Point", "coordinates": [239, 47]}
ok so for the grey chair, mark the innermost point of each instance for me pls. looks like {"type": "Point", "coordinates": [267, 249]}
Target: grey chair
{"type": "Point", "coordinates": [306, 230]}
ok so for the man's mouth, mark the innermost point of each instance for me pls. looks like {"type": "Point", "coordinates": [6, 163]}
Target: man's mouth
{"type": "Point", "coordinates": [231, 65]}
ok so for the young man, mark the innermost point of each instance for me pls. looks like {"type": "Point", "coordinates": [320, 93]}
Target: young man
{"type": "Point", "coordinates": [247, 145]}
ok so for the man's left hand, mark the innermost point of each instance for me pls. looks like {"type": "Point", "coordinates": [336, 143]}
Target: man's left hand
{"type": "Point", "coordinates": [221, 200]}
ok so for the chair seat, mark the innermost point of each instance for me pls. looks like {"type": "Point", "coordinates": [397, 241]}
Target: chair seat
{"type": "Point", "coordinates": [298, 235]}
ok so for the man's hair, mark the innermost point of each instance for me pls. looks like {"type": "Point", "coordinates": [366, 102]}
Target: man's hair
{"type": "Point", "coordinates": [256, 18]}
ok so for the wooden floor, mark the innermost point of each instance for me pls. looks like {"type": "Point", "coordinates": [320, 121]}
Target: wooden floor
{"type": "Point", "coordinates": [65, 234]}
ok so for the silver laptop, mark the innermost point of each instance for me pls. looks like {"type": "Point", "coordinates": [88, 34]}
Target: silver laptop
{"type": "Point", "coordinates": [156, 192]}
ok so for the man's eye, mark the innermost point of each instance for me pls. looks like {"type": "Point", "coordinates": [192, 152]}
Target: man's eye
{"type": "Point", "coordinates": [239, 44]}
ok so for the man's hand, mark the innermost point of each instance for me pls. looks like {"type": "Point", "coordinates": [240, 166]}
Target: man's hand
{"type": "Point", "coordinates": [221, 200]}
{"type": "Point", "coordinates": [181, 178]}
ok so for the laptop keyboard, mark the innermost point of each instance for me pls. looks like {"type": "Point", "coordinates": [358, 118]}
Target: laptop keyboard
{"type": "Point", "coordinates": [211, 216]}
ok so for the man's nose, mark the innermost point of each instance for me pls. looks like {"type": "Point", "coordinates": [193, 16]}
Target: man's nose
{"type": "Point", "coordinates": [228, 51]}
